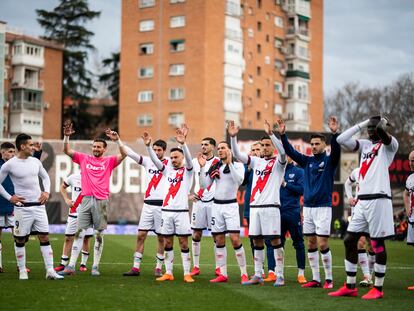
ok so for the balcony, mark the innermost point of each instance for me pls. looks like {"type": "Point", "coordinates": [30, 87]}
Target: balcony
{"type": "Point", "coordinates": [300, 7]}
{"type": "Point", "coordinates": [302, 33]}
{"type": "Point", "coordinates": [297, 74]}
{"type": "Point", "coordinates": [28, 60]}
{"type": "Point", "coordinates": [33, 85]}
{"type": "Point", "coordinates": [26, 106]}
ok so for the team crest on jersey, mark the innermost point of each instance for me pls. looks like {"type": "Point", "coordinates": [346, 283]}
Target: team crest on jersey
{"type": "Point", "coordinates": [310, 165]}
{"type": "Point", "coordinates": [291, 175]}
{"type": "Point", "coordinates": [322, 164]}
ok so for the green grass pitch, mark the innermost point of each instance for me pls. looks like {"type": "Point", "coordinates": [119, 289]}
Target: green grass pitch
{"type": "Point", "coordinates": [112, 291]}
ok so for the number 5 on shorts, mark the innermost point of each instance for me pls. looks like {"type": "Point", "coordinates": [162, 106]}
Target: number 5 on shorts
{"type": "Point", "coordinates": [213, 221]}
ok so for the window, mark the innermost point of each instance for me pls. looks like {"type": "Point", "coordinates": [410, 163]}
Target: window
{"type": "Point", "coordinates": [258, 115]}
{"type": "Point", "coordinates": [279, 21]}
{"type": "Point", "coordinates": [232, 8]}
{"type": "Point", "coordinates": [267, 38]}
{"type": "Point", "coordinates": [176, 119]}
{"type": "Point", "coordinates": [250, 56]}
{"type": "Point", "coordinates": [278, 64]}
{"type": "Point", "coordinates": [267, 60]}
{"type": "Point", "coordinates": [266, 105]}
{"type": "Point", "coordinates": [176, 1]}
{"type": "Point", "coordinates": [290, 91]}
{"type": "Point", "coordinates": [146, 48]}
{"type": "Point", "coordinates": [259, 26]}
{"type": "Point", "coordinates": [267, 16]}
{"type": "Point", "coordinates": [250, 33]}
{"type": "Point", "coordinates": [250, 10]}
{"type": "Point", "coordinates": [17, 49]}
{"type": "Point", "coordinates": [258, 70]}
{"type": "Point", "coordinates": [290, 66]}
{"type": "Point", "coordinates": [278, 87]}
{"type": "Point", "coordinates": [145, 96]}
{"type": "Point", "coordinates": [6, 49]}
{"type": "Point", "coordinates": [278, 109]}
{"type": "Point", "coordinates": [177, 70]}
{"type": "Point", "coordinates": [146, 25]}
{"type": "Point", "coordinates": [146, 3]}
{"type": "Point", "coordinates": [177, 21]}
{"type": "Point", "coordinates": [146, 72]}
{"type": "Point", "coordinates": [176, 93]}
{"type": "Point", "coordinates": [258, 93]}
{"type": "Point", "coordinates": [177, 45]}
{"type": "Point", "coordinates": [259, 48]}
{"type": "Point", "coordinates": [303, 92]}
{"type": "Point", "coordinates": [144, 120]}
{"type": "Point", "coordinates": [303, 51]}
{"type": "Point", "coordinates": [278, 43]}
{"type": "Point", "coordinates": [250, 79]}
{"type": "Point", "coordinates": [259, 3]}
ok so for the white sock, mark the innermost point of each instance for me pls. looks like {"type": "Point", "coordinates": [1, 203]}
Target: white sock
{"type": "Point", "coordinates": [379, 280]}
{"type": "Point", "coordinates": [279, 254]}
{"type": "Point", "coordinates": [169, 261]}
{"type": "Point", "coordinates": [47, 254]}
{"type": "Point", "coordinates": [350, 268]}
{"type": "Point", "coordinates": [85, 256]}
{"type": "Point", "coordinates": [64, 260]}
{"type": "Point", "coordinates": [363, 263]}
{"type": "Point", "coordinates": [371, 263]}
{"type": "Point", "coordinates": [137, 260]}
{"type": "Point", "coordinates": [221, 259]}
{"type": "Point", "coordinates": [258, 261]}
{"type": "Point", "coordinates": [327, 264]}
{"type": "Point", "coordinates": [97, 249]}
{"type": "Point", "coordinates": [185, 257]}
{"type": "Point", "coordinates": [313, 257]}
{"type": "Point", "coordinates": [241, 259]}
{"type": "Point", "coordinates": [196, 246]}
{"type": "Point", "coordinates": [76, 249]}
{"type": "Point", "coordinates": [20, 257]}
{"type": "Point", "coordinates": [160, 261]}
{"type": "Point", "coordinates": [301, 272]}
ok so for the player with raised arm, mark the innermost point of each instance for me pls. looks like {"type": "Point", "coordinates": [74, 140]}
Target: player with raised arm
{"type": "Point", "coordinates": [319, 172]}
{"type": "Point", "coordinates": [365, 261]}
{"type": "Point", "coordinates": [409, 203]}
{"type": "Point", "coordinates": [174, 211]}
{"type": "Point", "coordinates": [29, 200]}
{"type": "Point", "coordinates": [373, 213]}
{"type": "Point", "coordinates": [227, 176]}
{"type": "Point", "coordinates": [96, 170]}
{"type": "Point", "coordinates": [74, 182]}
{"type": "Point", "coordinates": [264, 201]}
{"type": "Point", "coordinates": [150, 220]}
{"type": "Point", "coordinates": [203, 202]}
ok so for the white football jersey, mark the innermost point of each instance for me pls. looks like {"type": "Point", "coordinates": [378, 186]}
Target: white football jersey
{"type": "Point", "coordinates": [179, 184]}
{"type": "Point", "coordinates": [373, 171]}
{"type": "Point", "coordinates": [226, 187]}
{"type": "Point", "coordinates": [267, 177]}
{"type": "Point", "coordinates": [157, 185]}
{"type": "Point", "coordinates": [206, 194]}
{"type": "Point", "coordinates": [409, 186]}
{"type": "Point", "coordinates": [74, 182]}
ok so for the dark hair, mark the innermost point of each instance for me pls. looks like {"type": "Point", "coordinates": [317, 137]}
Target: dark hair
{"type": "Point", "coordinates": [100, 140]}
{"type": "Point", "coordinates": [22, 139]}
{"type": "Point", "coordinates": [176, 149]}
{"type": "Point", "coordinates": [212, 141]}
{"type": "Point", "coordinates": [318, 135]}
{"type": "Point", "coordinates": [224, 142]}
{"type": "Point", "coordinates": [264, 137]}
{"type": "Point", "coordinates": [7, 145]}
{"type": "Point", "coordinates": [160, 143]}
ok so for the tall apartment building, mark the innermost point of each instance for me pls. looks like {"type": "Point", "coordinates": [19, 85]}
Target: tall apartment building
{"type": "Point", "coordinates": [32, 78]}
{"type": "Point", "coordinates": [203, 62]}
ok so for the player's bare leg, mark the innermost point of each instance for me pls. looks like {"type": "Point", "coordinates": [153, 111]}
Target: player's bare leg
{"type": "Point", "coordinates": [85, 253]}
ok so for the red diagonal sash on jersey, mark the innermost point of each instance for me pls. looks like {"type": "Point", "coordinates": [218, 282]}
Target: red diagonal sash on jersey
{"type": "Point", "coordinates": [76, 204]}
{"type": "Point", "coordinates": [262, 180]}
{"type": "Point", "coordinates": [367, 163]}
{"type": "Point", "coordinates": [172, 191]}
{"type": "Point", "coordinates": [155, 180]}
{"type": "Point", "coordinates": [201, 191]}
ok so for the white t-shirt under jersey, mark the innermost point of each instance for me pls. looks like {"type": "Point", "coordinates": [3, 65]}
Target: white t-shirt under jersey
{"type": "Point", "coordinates": [206, 194]}
{"type": "Point", "coordinates": [409, 186]}
{"type": "Point", "coordinates": [267, 177]}
{"type": "Point", "coordinates": [373, 171]}
{"type": "Point", "coordinates": [25, 174]}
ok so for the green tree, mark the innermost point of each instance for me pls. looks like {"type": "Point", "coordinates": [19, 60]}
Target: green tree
{"type": "Point", "coordinates": [66, 25]}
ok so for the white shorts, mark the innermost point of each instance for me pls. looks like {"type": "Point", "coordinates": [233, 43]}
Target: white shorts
{"type": "Point", "coordinates": [175, 223]}
{"type": "Point", "coordinates": [150, 219]}
{"type": "Point", "coordinates": [30, 219]}
{"type": "Point", "coordinates": [72, 226]}
{"type": "Point", "coordinates": [374, 217]}
{"type": "Point", "coordinates": [317, 221]}
{"type": "Point", "coordinates": [264, 222]}
{"type": "Point", "coordinates": [410, 234]}
{"type": "Point", "coordinates": [6, 221]}
{"type": "Point", "coordinates": [225, 218]}
{"type": "Point", "coordinates": [201, 215]}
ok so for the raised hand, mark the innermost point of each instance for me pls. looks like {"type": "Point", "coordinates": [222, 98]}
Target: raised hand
{"type": "Point", "coordinates": [37, 146]}
{"type": "Point", "coordinates": [112, 135]}
{"type": "Point", "coordinates": [281, 126]}
{"type": "Point", "coordinates": [184, 129]}
{"type": "Point", "coordinates": [267, 128]}
{"type": "Point", "coordinates": [232, 129]}
{"type": "Point", "coordinates": [201, 159]}
{"type": "Point", "coordinates": [229, 157]}
{"type": "Point", "coordinates": [146, 138]}
{"type": "Point", "coordinates": [180, 135]}
{"type": "Point", "coordinates": [68, 129]}
{"type": "Point", "coordinates": [333, 124]}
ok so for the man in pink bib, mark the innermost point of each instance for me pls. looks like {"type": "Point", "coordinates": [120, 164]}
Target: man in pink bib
{"type": "Point", "coordinates": [96, 172]}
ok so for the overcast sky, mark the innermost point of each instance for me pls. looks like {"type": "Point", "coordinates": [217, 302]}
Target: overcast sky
{"type": "Point", "coordinates": [371, 41]}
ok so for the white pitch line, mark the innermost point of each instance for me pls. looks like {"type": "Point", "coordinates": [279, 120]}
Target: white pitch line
{"type": "Point", "coordinates": [211, 265]}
